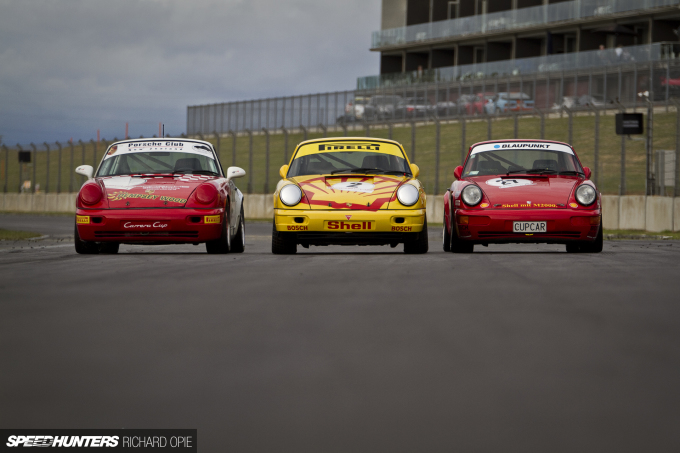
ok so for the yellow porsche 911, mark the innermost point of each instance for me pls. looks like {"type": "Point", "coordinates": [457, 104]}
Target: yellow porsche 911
{"type": "Point", "coordinates": [349, 191]}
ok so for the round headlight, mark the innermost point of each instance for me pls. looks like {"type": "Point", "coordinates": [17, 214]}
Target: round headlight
{"type": "Point", "coordinates": [586, 195]}
{"type": "Point", "coordinates": [290, 195]}
{"type": "Point", "coordinates": [408, 195]}
{"type": "Point", "coordinates": [472, 195]}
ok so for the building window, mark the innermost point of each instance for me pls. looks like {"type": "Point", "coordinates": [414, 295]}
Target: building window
{"type": "Point", "coordinates": [454, 10]}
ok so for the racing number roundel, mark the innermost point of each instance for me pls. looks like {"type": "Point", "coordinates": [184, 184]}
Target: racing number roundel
{"type": "Point", "coordinates": [505, 183]}
{"type": "Point", "coordinates": [364, 187]}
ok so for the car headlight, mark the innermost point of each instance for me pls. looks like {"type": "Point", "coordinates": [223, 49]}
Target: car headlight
{"type": "Point", "coordinates": [408, 195]}
{"type": "Point", "coordinates": [472, 195]}
{"type": "Point", "coordinates": [586, 195]}
{"type": "Point", "coordinates": [290, 195]}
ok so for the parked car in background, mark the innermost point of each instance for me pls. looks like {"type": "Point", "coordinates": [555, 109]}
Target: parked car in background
{"type": "Point", "coordinates": [446, 108]}
{"type": "Point", "coordinates": [474, 104]}
{"type": "Point", "coordinates": [381, 107]}
{"type": "Point", "coordinates": [355, 108]}
{"type": "Point", "coordinates": [576, 102]}
{"type": "Point", "coordinates": [414, 107]}
{"type": "Point", "coordinates": [505, 102]}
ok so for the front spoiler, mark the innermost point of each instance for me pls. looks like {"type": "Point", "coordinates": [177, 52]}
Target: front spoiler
{"type": "Point", "coordinates": [136, 226]}
{"type": "Point", "coordinates": [495, 226]}
{"type": "Point", "coordinates": [387, 227]}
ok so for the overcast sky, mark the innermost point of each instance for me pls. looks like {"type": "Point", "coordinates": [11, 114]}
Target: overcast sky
{"type": "Point", "coordinates": [70, 67]}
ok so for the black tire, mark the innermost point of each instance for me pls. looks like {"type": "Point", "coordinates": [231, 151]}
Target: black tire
{"type": "Point", "coordinates": [109, 247]}
{"type": "Point", "coordinates": [223, 244]}
{"type": "Point", "coordinates": [459, 245]}
{"type": "Point", "coordinates": [84, 247]}
{"type": "Point", "coordinates": [418, 243]}
{"type": "Point", "coordinates": [283, 243]}
{"type": "Point", "coordinates": [446, 237]}
{"type": "Point", "coordinates": [238, 244]}
{"type": "Point", "coordinates": [573, 247]}
{"type": "Point", "coordinates": [595, 246]}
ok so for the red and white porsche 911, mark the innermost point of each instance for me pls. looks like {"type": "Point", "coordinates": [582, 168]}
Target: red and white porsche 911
{"type": "Point", "coordinates": [516, 191]}
{"type": "Point", "coordinates": [160, 191]}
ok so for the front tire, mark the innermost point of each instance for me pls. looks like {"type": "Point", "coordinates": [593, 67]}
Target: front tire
{"type": "Point", "coordinates": [459, 245]}
{"type": "Point", "coordinates": [283, 243]}
{"type": "Point", "coordinates": [446, 237]}
{"type": "Point", "coordinates": [84, 247]}
{"type": "Point", "coordinates": [223, 244]}
{"type": "Point", "coordinates": [238, 244]}
{"type": "Point", "coordinates": [419, 244]}
{"type": "Point", "coordinates": [588, 247]}
{"type": "Point", "coordinates": [109, 248]}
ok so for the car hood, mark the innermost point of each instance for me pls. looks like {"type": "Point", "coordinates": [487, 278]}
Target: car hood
{"type": "Point", "coordinates": [526, 190]}
{"type": "Point", "coordinates": [360, 192]}
{"type": "Point", "coordinates": [150, 191]}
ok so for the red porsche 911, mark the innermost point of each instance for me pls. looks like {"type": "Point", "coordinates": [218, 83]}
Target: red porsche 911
{"type": "Point", "coordinates": [522, 191]}
{"type": "Point", "coordinates": [159, 191]}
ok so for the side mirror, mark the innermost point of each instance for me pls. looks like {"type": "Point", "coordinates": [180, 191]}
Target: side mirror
{"type": "Point", "coordinates": [415, 169]}
{"type": "Point", "coordinates": [587, 171]}
{"type": "Point", "coordinates": [235, 172]}
{"type": "Point", "coordinates": [458, 172]}
{"type": "Point", "coordinates": [85, 170]}
{"type": "Point", "coordinates": [283, 171]}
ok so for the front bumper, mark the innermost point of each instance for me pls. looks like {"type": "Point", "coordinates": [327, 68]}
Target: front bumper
{"type": "Point", "coordinates": [348, 227]}
{"type": "Point", "coordinates": [173, 225]}
{"type": "Point", "coordinates": [495, 225]}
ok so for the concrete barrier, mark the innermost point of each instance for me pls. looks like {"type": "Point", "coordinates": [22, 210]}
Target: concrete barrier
{"type": "Point", "coordinates": [610, 212]}
{"type": "Point", "coordinates": [631, 212]}
{"type": "Point", "coordinates": [659, 214]}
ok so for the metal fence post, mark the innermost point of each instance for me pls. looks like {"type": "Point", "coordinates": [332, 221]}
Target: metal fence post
{"type": "Point", "coordinates": [217, 144]}
{"type": "Point", "coordinates": [622, 181]}
{"type": "Point", "coordinates": [488, 127]}
{"type": "Point", "coordinates": [35, 165]}
{"type": "Point", "coordinates": [323, 128]}
{"type": "Point", "coordinates": [540, 112]}
{"type": "Point", "coordinates": [570, 126]}
{"type": "Point", "coordinates": [436, 155]}
{"type": "Point", "coordinates": [650, 148]}
{"type": "Point", "coordinates": [71, 172]}
{"type": "Point", "coordinates": [21, 169]}
{"type": "Point", "coordinates": [4, 188]}
{"type": "Point", "coordinates": [304, 131]}
{"type": "Point", "coordinates": [250, 160]}
{"type": "Point", "coordinates": [47, 174]}
{"type": "Point", "coordinates": [233, 147]}
{"type": "Point", "coordinates": [463, 151]}
{"type": "Point", "coordinates": [677, 151]}
{"type": "Point", "coordinates": [266, 161]}
{"type": "Point", "coordinates": [94, 154]}
{"type": "Point", "coordinates": [59, 168]}
{"type": "Point", "coordinates": [285, 145]}
{"type": "Point", "coordinates": [367, 130]}
{"type": "Point", "coordinates": [413, 141]}
{"type": "Point", "coordinates": [389, 131]}
{"type": "Point", "coordinates": [516, 116]}
{"type": "Point", "coordinates": [596, 162]}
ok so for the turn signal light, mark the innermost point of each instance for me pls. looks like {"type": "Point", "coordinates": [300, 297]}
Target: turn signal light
{"type": "Point", "coordinates": [463, 220]}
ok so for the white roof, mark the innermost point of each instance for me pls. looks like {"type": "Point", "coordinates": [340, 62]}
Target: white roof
{"type": "Point", "coordinates": [162, 145]}
{"type": "Point", "coordinates": [498, 146]}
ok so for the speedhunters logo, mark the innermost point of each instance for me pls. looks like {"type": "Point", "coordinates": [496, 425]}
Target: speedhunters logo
{"type": "Point", "coordinates": [62, 441]}
{"type": "Point", "coordinates": [157, 440]}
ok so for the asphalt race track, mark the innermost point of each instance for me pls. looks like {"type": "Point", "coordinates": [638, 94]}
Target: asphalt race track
{"type": "Point", "coordinates": [345, 349]}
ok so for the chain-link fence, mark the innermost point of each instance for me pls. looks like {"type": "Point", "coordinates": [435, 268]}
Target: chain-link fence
{"type": "Point", "coordinates": [620, 164]}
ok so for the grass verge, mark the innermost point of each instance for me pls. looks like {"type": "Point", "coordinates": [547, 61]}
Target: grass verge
{"type": "Point", "coordinates": [11, 235]}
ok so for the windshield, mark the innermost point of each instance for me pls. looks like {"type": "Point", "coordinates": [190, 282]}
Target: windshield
{"type": "Point", "coordinates": [158, 162]}
{"type": "Point", "coordinates": [520, 161]}
{"type": "Point", "coordinates": [350, 157]}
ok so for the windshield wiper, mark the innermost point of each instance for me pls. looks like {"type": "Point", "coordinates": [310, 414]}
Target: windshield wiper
{"type": "Point", "coordinates": [196, 172]}
{"type": "Point", "coordinates": [358, 170]}
{"type": "Point", "coordinates": [397, 172]}
{"type": "Point", "coordinates": [571, 172]}
{"type": "Point", "coordinates": [533, 170]}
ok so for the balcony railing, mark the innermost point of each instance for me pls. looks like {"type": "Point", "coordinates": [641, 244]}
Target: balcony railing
{"type": "Point", "coordinates": [525, 66]}
{"type": "Point", "coordinates": [511, 20]}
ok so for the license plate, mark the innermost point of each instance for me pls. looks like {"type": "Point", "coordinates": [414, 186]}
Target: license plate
{"type": "Point", "coordinates": [529, 227]}
{"type": "Point", "coordinates": [341, 225]}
